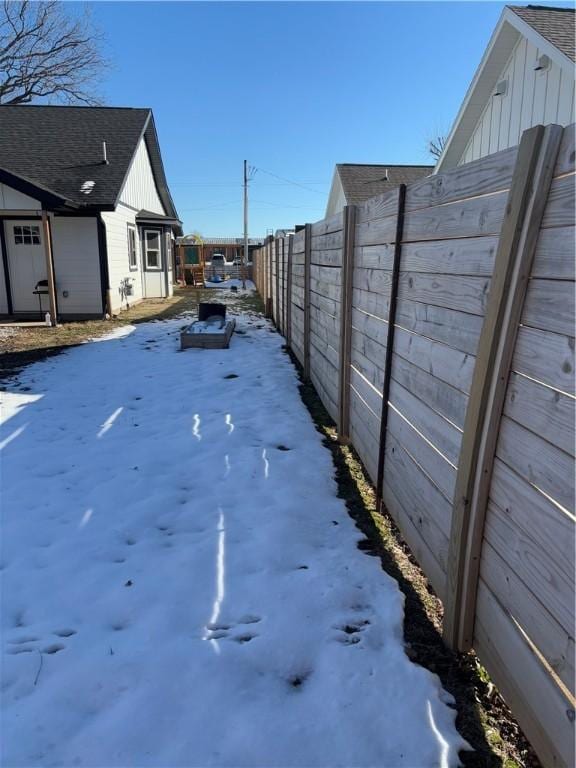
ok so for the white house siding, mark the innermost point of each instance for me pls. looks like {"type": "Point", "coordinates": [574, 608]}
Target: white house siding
{"type": "Point", "coordinates": [116, 223]}
{"type": "Point", "coordinates": [546, 96]}
{"type": "Point", "coordinates": [12, 200]}
{"type": "Point", "coordinates": [139, 190]}
{"type": "Point", "coordinates": [77, 265]}
{"type": "Point", "coordinates": [336, 199]}
{"type": "Point", "coordinates": [3, 299]}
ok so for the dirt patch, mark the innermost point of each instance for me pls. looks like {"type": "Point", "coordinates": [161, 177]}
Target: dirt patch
{"type": "Point", "coordinates": [483, 718]}
{"type": "Point", "coordinates": [22, 346]}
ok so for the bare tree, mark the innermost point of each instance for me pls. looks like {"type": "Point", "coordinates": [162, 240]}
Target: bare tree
{"type": "Point", "coordinates": [436, 146]}
{"type": "Point", "coordinates": [47, 53]}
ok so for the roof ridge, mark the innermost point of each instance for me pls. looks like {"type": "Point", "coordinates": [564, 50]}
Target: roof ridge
{"type": "Point", "coordinates": [389, 165]}
{"type": "Point", "coordinates": [72, 106]}
{"type": "Point", "coordinates": [541, 8]}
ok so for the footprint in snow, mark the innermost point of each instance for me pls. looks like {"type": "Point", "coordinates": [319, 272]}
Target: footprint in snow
{"type": "Point", "coordinates": [236, 632]}
{"type": "Point", "coordinates": [350, 633]}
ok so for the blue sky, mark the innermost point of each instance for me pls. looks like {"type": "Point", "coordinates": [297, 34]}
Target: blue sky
{"type": "Point", "coordinates": [292, 87]}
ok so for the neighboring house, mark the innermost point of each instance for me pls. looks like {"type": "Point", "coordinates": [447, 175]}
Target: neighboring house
{"type": "Point", "coordinates": [82, 189]}
{"type": "Point", "coordinates": [526, 77]}
{"type": "Point", "coordinates": [353, 183]}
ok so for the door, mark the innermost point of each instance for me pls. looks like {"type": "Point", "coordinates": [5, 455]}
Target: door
{"type": "Point", "coordinates": [26, 264]}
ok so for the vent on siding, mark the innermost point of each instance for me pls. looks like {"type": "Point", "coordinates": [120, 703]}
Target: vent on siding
{"type": "Point", "coordinates": [501, 88]}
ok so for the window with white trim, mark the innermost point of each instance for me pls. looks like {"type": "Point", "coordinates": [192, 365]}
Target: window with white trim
{"type": "Point", "coordinates": [132, 253]}
{"type": "Point", "coordinates": [152, 249]}
{"type": "Point", "coordinates": [27, 235]}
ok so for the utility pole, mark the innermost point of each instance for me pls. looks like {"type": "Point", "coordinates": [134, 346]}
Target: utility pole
{"type": "Point", "coordinates": [245, 259]}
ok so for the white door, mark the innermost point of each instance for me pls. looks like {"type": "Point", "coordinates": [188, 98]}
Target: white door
{"type": "Point", "coordinates": [27, 265]}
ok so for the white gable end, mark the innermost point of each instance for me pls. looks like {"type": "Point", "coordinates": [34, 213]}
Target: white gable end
{"type": "Point", "coordinates": [532, 97]}
{"type": "Point", "coordinates": [492, 118]}
{"type": "Point", "coordinates": [12, 200]}
{"type": "Point", "coordinates": [139, 190]}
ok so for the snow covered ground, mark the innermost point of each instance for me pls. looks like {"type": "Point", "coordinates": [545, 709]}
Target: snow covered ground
{"type": "Point", "coordinates": [180, 584]}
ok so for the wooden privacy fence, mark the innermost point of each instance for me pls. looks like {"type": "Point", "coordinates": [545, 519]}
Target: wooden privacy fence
{"type": "Point", "coordinates": [436, 323]}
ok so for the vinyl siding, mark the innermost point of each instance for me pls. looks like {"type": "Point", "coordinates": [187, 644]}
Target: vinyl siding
{"type": "Point", "coordinates": [532, 98]}
{"type": "Point", "coordinates": [116, 224]}
{"type": "Point", "coordinates": [77, 265]}
{"type": "Point", "coordinates": [3, 299]}
{"type": "Point", "coordinates": [139, 190]}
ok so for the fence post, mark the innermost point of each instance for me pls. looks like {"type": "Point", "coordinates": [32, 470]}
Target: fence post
{"type": "Point", "coordinates": [390, 340]}
{"type": "Point", "coordinates": [307, 255]}
{"type": "Point", "coordinates": [269, 308]}
{"type": "Point", "coordinates": [348, 241]}
{"type": "Point", "coordinates": [513, 262]}
{"type": "Point", "coordinates": [289, 294]}
{"type": "Point", "coordinates": [277, 255]}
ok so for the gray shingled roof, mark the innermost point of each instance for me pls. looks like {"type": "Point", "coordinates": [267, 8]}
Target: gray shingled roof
{"type": "Point", "coordinates": [60, 148]}
{"type": "Point", "coordinates": [360, 182]}
{"type": "Point", "coordinates": [554, 24]}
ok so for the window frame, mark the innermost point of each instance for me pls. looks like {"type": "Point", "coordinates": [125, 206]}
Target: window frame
{"type": "Point", "coordinates": [131, 231]}
{"type": "Point", "coordinates": [158, 233]}
{"type": "Point", "coordinates": [20, 235]}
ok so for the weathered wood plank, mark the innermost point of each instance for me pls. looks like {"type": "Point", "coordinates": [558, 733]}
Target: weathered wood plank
{"type": "Point", "coordinates": [541, 463]}
{"type": "Point", "coordinates": [547, 357]}
{"type": "Point", "coordinates": [460, 292]}
{"type": "Point", "coordinates": [545, 411]}
{"type": "Point", "coordinates": [376, 232]}
{"type": "Point", "coordinates": [372, 303]}
{"type": "Point", "coordinates": [325, 304]}
{"type": "Point", "coordinates": [331, 258]}
{"type": "Point", "coordinates": [374, 256]}
{"type": "Point", "coordinates": [480, 177]}
{"type": "Point", "coordinates": [469, 256]}
{"type": "Point", "coordinates": [328, 290]}
{"type": "Point", "coordinates": [560, 208]}
{"type": "Point", "coordinates": [327, 242]}
{"type": "Point", "coordinates": [368, 325]}
{"type": "Point", "coordinates": [445, 437]}
{"type": "Point", "coordinates": [332, 224]}
{"type": "Point", "coordinates": [366, 390]}
{"type": "Point", "coordinates": [567, 153]}
{"type": "Point", "coordinates": [376, 281]}
{"type": "Point", "coordinates": [550, 306]}
{"type": "Point", "coordinates": [325, 275]}
{"type": "Point", "coordinates": [537, 702]}
{"type": "Point", "coordinates": [441, 397]}
{"type": "Point", "coordinates": [535, 514]}
{"type": "Point", "coordinates": [537, 570]}
{"type": "Point", "coordinates": [370, 371]}
{"type": "Point", "coordinates": [456, 329]}
{"type": "Point", "coordinates": [554, 643]}
{"type": "Point", "coordinates": [441, 361]}
{"type": "Point", "coordinates": [413, 538]}
{"type": "Point", "coordinates": [434, 464]}
{"type": "Point", "coordinates": [429, 511]}
{"type": "Point", "coordinates": [470, 218]}
{"type": "Point", "coordinates": [554, 256]}
{"type": "Point", "coordinates": [378, 207]}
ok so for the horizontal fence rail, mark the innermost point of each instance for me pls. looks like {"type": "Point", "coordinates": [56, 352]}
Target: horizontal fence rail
{"type": "Point", "coordinates": [436, 323]}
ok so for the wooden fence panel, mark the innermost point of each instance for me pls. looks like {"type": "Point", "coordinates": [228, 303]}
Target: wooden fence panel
{"type": "Point", "coordinates": [334, 299]}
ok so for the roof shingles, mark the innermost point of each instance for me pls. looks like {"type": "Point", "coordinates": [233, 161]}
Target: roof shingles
{"type": "Point", "coordinates": [554, 24]}
{"type": "Point", "coordinates": [60, 148]}
{"type": "Point", "coordinates": [361, 182]}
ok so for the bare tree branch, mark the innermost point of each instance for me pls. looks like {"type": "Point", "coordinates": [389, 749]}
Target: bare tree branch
{"type": "Point", "coordinates": [436, 146]}
{"type": "Point", "coordinates": [45, 53]}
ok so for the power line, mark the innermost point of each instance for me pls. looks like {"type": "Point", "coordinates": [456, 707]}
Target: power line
{"type": "Point", "coordinates": [289, 181]}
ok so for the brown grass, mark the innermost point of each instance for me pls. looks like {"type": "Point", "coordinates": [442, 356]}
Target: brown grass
{"type": "Point", "coordinates": [28, 345]}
